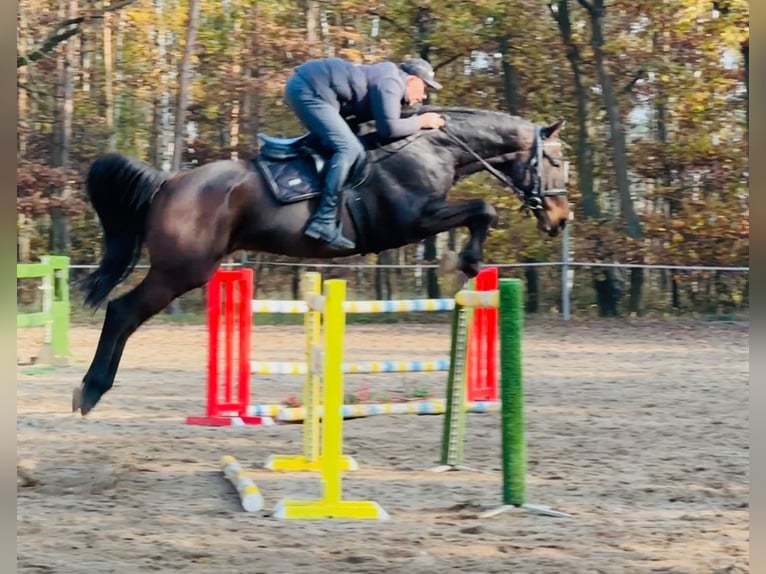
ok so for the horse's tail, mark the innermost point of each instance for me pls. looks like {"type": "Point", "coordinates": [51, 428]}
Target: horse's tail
{"type": "Point", "coordinates": [120, 189]}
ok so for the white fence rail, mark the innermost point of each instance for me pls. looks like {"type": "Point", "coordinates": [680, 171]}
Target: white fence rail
{"type": "Point", "coordinates": [566, 266]}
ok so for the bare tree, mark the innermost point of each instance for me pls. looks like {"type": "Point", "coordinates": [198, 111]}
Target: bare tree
{"type": "Point", "coordinates": [184, 84]}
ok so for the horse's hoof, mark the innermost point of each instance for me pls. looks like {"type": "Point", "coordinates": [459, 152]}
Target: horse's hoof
{"type": "Point", "coordinates": [76, 399]}
{"type": "Point", "coordinates": [470, 266]}
{"type": "Point", "coordinates": [83, 401]}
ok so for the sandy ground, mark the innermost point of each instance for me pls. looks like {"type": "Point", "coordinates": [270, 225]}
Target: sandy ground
{"type": "Point", "coordinates": [638, 430]}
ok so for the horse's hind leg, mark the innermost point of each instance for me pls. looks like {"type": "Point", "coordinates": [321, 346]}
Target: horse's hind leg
{"type": "Point", "coordinates": [123, 316]}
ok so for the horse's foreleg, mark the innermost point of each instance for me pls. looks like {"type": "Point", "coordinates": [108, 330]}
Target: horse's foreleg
{"type": "Point", "coordinates": [475, 214]}
{"type": "Point", "coordinates": [123, 316]}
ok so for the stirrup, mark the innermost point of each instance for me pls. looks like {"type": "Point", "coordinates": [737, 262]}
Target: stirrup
{"type": "Point", "coordinates": [336, 239]}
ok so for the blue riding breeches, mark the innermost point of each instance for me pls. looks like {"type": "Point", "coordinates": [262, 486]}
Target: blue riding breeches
{"type": "Point", "coordinates": [323, 119]}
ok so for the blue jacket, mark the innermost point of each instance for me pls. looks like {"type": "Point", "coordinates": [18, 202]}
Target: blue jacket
{"type": "Point", "coordinates": [362, 92]}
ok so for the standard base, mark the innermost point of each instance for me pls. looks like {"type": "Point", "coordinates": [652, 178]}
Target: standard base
{"type": "Point", "coordinates": [233, 421]}
{"type": "Point", "coordinates": [531, 508]}
{"type": "Point", "coordinates": [47, 357]}
{"type": "Point", "coordinates": [321, 510]}
{"type": "Point", "coordinates": [298, 463]}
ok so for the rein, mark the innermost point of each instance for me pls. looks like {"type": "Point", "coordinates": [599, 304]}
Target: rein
{"type": "Point", "coordinates": [531, 200]}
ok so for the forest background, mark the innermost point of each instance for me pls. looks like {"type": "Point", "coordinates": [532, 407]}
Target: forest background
{"type": "Point", "coordinates": [655, 95]}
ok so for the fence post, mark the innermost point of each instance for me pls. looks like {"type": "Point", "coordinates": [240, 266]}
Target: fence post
{"type": "Point", "coordinates": [60, 306]}
{"type": "Point", "coordinates": [565, 271]}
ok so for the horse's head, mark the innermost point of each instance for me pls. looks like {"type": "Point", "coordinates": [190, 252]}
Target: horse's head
{"type": "Point", "coordinates": [539, 175]}
{"type": "Point", "coordinates": [526, 157]}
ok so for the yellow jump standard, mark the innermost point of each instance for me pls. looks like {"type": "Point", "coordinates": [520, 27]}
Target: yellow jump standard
{"type": "Point", "coordinates": [311, 459]}
{"type": "Point", "coordinates": [331, 505]}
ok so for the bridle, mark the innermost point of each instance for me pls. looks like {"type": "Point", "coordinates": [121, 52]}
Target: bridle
{"type": "Point", "coordinates": [532, 200]}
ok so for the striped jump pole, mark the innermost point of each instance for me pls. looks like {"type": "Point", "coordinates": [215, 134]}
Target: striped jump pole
{"type": "Point", "coordinates": [508, 299]}
{"type": "Point", "coordinates": [229, 390]}
{"type": "Point", "coordinates": [355, 368]}
{"type": "Point", "coordinates": [481, 375]}
{"type": "Point", "coordinates": [331, 504]}
{"type": "Point", "coordinates": [358, 367]}
{"type": "Point", "coordinates": [249, 494]}
{"type": "Point", "coordinates": [422, 407]}
{"type": "Point", "coordinates": [311, 412]}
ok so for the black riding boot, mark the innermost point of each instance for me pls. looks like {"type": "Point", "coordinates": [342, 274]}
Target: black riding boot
{"type": "Point", "coordinates": [325, 223]}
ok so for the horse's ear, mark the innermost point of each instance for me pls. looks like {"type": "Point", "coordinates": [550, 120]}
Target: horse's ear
{"type": "Point", "coordinates": [553, 129]}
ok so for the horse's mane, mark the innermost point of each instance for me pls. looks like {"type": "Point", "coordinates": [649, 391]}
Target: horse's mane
{"type": "Point", "coordinates": [467, 113]}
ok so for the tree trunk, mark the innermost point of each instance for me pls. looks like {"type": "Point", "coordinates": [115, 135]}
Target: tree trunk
{"type": "Point", "coordinates": [295, 283]}
{"type": "Point", "coordinates": [251, 102]}
{"type": "Point", "coordinates": [676, 294]}
{"type": "Point", "coordinates": [155, 132]}
{"type": "Point", "coordinates": [423, 26]}
{"type": "Point", "coordinates": [596, 10]}
{"type": "Point", "coordinates": [312, 28]}
{"type": "Point", "coordinates": [182, 103]}
{"type": "Point", "coordinates": [184, 85]}
{"type": "Point", "coordinates": [25, 233]}
{"type": "Point", "coordinates": [22, 82]}
{"type": "Point", "coordinates": [324, 22]}
{"type": "Point", "coordinates": [584, 148]}
{"type": "Point", "coordinates": [636, 287]}
{"type": "Point", "coordinates": [383, 276]}
{"type": "Point", "coordinates": [533, 286]}
{"type": "Point", "coordinates": [119, 37]}
{"type": "Point", "coordinates": [432, 279]}
{"type": "Point", "coordinates": [607, 292]}
{"type": "Point", "coordinates": [108, 56]}
{"type": "Point", "coordinates": [510, 78]}
{"type": "Point", "coordinates": [162, 112]}
{"type": "Point", "coordinates": [236, 104]}
{"type": "Point", "coordinates": [604, 289]}
{"type": "Point", "coordinates": [746, 56]}
{"type": "Point", "coordinates": [60, 240]}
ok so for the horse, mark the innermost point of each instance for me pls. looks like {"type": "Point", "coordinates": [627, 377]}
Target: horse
{"type": "Point", "coordinates": [190, 220]}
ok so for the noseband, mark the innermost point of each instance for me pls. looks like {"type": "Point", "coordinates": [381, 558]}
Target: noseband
{"type": "Point", "coordinates": [533, 198]}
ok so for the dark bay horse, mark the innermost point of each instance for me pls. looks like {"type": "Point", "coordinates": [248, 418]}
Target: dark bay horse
{"type": "Point", "coordinates": [191, 220]}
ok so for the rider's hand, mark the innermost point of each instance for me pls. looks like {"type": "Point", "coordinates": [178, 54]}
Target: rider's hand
{"type": "Point", "coordinates": [431, 120]}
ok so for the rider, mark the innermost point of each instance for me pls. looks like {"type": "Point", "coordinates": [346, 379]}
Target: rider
{"type": "Point", "coordinates": [327, 95]}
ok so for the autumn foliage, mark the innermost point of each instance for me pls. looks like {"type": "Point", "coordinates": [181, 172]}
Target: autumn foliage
{"type": "Point", "coordinates": [654, 93]}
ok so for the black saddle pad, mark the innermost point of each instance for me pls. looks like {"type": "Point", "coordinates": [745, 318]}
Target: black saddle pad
{"type": "Point", "coordinates": [300, 178]}
{"type": "Point", "coordinates": [291, 180]}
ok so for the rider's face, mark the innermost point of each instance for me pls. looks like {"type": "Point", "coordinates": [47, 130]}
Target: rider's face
{"type": "Point", "coordinates": [416, 90]}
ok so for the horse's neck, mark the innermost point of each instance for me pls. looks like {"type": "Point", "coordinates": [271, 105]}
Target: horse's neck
{"type": "Point", "coordinates": [497, 135]}
{"type": "Point", "coordinates": [489, 146]}
{"type": "Point", "coordinates": [494, 138]}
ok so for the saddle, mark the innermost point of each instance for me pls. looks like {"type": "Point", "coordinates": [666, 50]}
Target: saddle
{"type": "Point", "coordinates": [294, 168]}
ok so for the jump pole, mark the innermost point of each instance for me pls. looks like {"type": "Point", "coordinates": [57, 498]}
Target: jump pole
{"type": "Point", "coordinates": [483, 368]}
{"type": "Point", "coordinates": [249, 494]}
{"type": "Point", "coordinates": [228, 398]}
